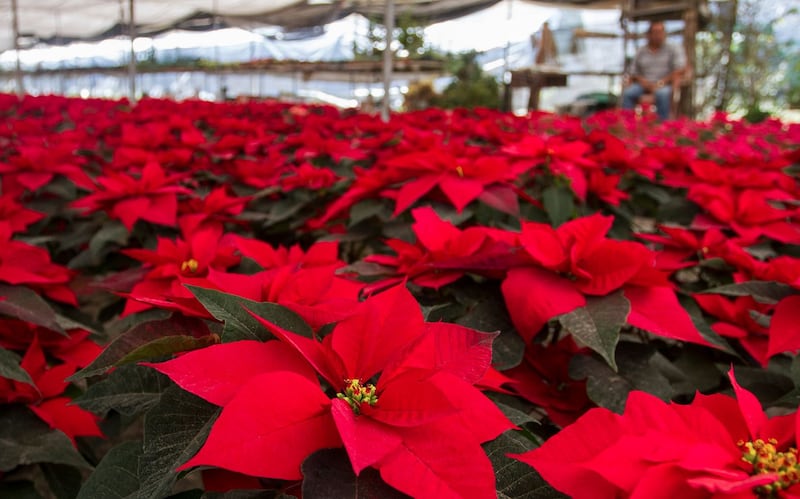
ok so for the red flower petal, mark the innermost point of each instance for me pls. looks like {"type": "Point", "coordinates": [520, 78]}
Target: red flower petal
{"type": "Point", "coordinates": [461, 191]}
{"type": "Point", "coordinates": [411, 191]}
{"type": "Point", "coordinates": [784, 330]}
{"type": "Point", "coordinates": [461, 351]}
{"type": "Point", "coordinates": [750, 407]}
{"type": "Point", "coordinates": [367, 441]}
{"type": "Point", "coordinates": [439, 460]}
{"type": "Point", "coordinates": [534, 296]}
{"type": "Point", "coordinates": [385, 324]}
{"type": "Point", "coordinates": [272, 424]}
{"type": "Point", "coordinates": [657, 310]}
{"type": "Point", "coordinates": [71, 419]}
{"type": "Point", "coordinates": [410, 399]}
{"type": "Point", "coordinates": [218, 372]}
{"type": "Point", "coordinates": [559, 460]}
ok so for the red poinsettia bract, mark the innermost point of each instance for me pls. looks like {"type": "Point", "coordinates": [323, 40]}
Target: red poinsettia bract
{"type": "Point", "coordinates": [576, 260]}
{"type": "Point", "coordinates": [45, 396]}
{"type": "Point", "coordinates": [420, 424]}
{"type": "Point", "coordinates": [151, 197]}
{"type": "Point", "coordinates": [717, 446]}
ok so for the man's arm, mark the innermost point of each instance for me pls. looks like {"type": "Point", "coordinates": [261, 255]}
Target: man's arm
{"type": "Point", "coordinates": [679, 69]}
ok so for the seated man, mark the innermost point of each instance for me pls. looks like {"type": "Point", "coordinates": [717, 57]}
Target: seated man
{"type": "Point", "coordinates": [657, 67]}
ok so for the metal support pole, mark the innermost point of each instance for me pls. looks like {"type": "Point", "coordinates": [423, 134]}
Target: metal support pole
{"type": "Point", "coordinates": [132, 61]}
{"type": "Point", "coordinates": [388, 22]}
{"type": "Point", "coordinates": [15, 29]}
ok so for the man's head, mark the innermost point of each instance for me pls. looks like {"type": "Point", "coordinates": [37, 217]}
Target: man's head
{"type": "Point", "coordinates": [656, 34]}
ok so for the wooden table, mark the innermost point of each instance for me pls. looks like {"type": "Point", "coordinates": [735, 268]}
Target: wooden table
{"type": "Point", "coordinates": [536, 80]}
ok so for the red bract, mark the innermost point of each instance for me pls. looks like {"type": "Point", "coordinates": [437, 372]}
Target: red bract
{"type": "Point", "coordinates": [308, 177]}
{"type": "Point", "coordinates": [17, 216]}
{"type": "Point", "coordinates": [443, 253]}
{"type": "Point", "coordinates": [151, 197]}
{"type": "Point", "coordinates": [577, 260]}
{"type": "Point", "coordinates": [215, 208]}
{"type": "Point", "coordinates": [30, 266]}
{"type": "Point", "coordinates": [680, 245]}
{"type": "Point", "coordinates": [176, 263]}
{"type": "Point", "coordinates": [44, 397]}
{"type": "Point", "coordinates": [564, 158]}
{"type": "Point", "coordinates": [462, 179]}
{"type": "Point", "coordinates": [717, 446]}
{"type": "Point", "coordinates": [736, 321]}
{"type": "Point", "coordinates": [74, 347]}
{"type": "Point", "coordinates": [748, 212]}
{"type": "Point", "coordinates": [37, 162]}
{"type": "Point", "coordinates": [420, 425]}
{"type": "Point", "coordinates": [543, 379]}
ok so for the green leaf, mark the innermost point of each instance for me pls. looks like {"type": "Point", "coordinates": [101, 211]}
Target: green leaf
{"type": "Point", "coordinates": [767, 385]}
{"type": "Point", "coordinates": [25, 439]}
{"type": "Point", "coordinates": [128, 390]}
{"type": "Point", "coordinates": [138, 336]}
{"type": "Point", "coordinates": [763, 291]}
{"type": "Point", "coordinates": [328, 473]}
{"type": "Point", "coordinates": [10, 368]}
{"type": "Point", "coordinates": [365, 209]}
{"type": "Point", "coordinates": [174, 430]}
{"type": "Point", "coordinates": [597, 324]}
{"type": "Point", "coordinates": [515, 479]}
{"type": "Point", "coordinates": [64, 481]}
{"type": "Point", "coordinates": [110, 236]}
{"type": "Point", "coordinates": [637, 371]}
{"type": "Point", "coordinates": [239, 324]}
{"type": "Point", "coordinates": [517, 410]}
{"type": "Point", "coordinates": [116, 477]}
{"type": "Point", "coordinates": [246, 494]}
{"type": "Point", "coordinates": [487, 312]}
{"type": "Point", "coordinates": [702, 326]}
{"type": "Point", "coordinates": [25, 304]}
{"type": "Point", "coordinates": [559, 203]}
{"type": "Point", "coordinates": [167, 345]}
{"type": "Point", "coordinates": [18, 490]}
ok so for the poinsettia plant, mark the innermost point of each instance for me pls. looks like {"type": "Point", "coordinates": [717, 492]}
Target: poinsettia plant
{"type": "Point", "coordinates": [265, 299]}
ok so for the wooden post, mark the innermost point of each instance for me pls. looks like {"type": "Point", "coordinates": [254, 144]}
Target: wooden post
{"type": "Point", "coordinates": [388, 22]}
{"type": "Point", "coordinates": [689, 43]}
{"type": "Point", "coordinates": [20, 86]}
{"type": "Point", "coordinates": [132, 61]}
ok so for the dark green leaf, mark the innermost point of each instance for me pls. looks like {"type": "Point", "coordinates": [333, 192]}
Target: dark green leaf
{"type": "Point", "coordinates": [239, 324]}
{"type": "Point", "coordinates": [110, 236]}
{"type": "Point", "coordinates": [700, 323]}
{"type": "Point", "coordinates": [515, 479]}
{"type": "Point", "coordinates": [64, 481]}
{"type": "Point", "coordinates": [174, 430]}
{"type": "Point", "coordinates": [116, 477]}
{"type": "Point", "coordinates": [328, 474]}
{"type": "Point", "coordinates": [25, 439]}
{"type": "Point", "coordinates": [597, 324]}
{"type": "Point", "coordinates": [517, 410]}
{"type": "Point", "coordinates": [246, 494]}
{"type": "Point", "coordinates": [10, 368]}
{"type": "Point", "coordinates": [138, 336]}
{"type": "Point", "coordinates": [18, 490]}
{"type": "Point", "coordinates": [767, 385]}
{"type": "Point", "coordinates": [559, 203]}
{"type": "Point", "coordinates": [763, 291]}
{"type": "Point", "coordinates": [167, 345]}
{"type": "Point", "coordinates": [636, 371]}
{"type": "Point", "coordinates": [365, 209]}
{"type": "Point", "coordinates": [128, 390]}
{"type": "Point", "coordinates": [677, 210]}
{"type": "Point", "coordinates": [488, 313]}
{"type": "Point", "coordinates": [25, 304]}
